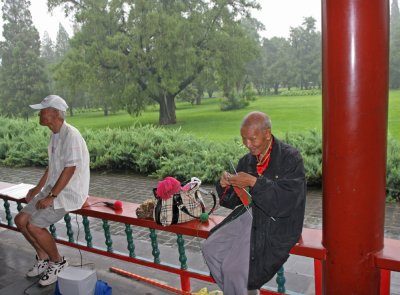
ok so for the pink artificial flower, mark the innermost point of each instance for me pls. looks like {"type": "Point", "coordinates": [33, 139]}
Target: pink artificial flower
{"type": "Point", "coordinates": [168, 187]}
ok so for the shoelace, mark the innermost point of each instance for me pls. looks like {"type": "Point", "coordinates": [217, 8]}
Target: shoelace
{"type": "Point", "coordinates": [50, 268]}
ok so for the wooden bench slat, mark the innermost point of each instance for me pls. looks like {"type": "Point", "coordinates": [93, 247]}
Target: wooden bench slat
{"type": "Point", "coordinates": [128, 215]}
{"type": "Point", "coordinates": [389, 256]}
{"type": "Point", "coordinates": [310, 244]}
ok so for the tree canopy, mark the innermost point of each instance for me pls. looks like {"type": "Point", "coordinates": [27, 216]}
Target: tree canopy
{"type": "Point", "coordinates": [133, 52]}
{"type": "Point", "coordinates": [22, 75]}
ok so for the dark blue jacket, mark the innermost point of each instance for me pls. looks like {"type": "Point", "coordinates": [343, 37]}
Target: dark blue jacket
{"type": "Point", "coordinates": [278, 206]}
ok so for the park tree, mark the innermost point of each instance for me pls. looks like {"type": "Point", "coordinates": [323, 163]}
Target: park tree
{"type": "Point", "coordinates": [47, 49]}
{"type": "Point", "coordinates": [277, 62]}
{"type": "Point", "coordinates": [211, 85]}
{"type": "Point", "coordinates": [52, 54]}
{"type": "Point", "coordinates": [238, 48]}
{"type": "Point", "coordinates": [306, 51]}
{"type": "Point", "coordinates": [69, 80]}
{"type": "Point", "coordinates": [394, 65]}
{"type": "Point", "coordinates": [22, 75]}
{"type": "Point", "coordinates": [205, 82]}
{"type": "Point", "coordinates": [252, 66]}
{"type": "Point", "coordinates": [151, 50]}
{"type": "Point", "coordinates": [95, 66]}
{"type": "Point", "coordinates": [62, 42]}
{"type": "Point", "coordinates": [256, 70]}
{"type": "Point", "coordinates": [48, 57]}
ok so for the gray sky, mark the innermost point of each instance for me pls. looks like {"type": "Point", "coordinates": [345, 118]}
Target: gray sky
{"type": "Point", "coordinates": [277, 16]}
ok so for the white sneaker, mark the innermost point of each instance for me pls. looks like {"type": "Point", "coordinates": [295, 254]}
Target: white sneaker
{"type": "Point", "coordinates": [38, 268]}
{"type": "Point", "coordinates": [52, 271]}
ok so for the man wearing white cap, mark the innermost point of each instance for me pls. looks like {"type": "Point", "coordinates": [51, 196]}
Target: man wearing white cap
{"type": "Point", "coordinates": [63, 187]}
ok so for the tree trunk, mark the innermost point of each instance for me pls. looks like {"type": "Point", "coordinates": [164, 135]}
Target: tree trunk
{"type": "Point", "coordinates": [105, 110]}
{"type": "Point", "coordinates": [167, 110]}
{"type": "Point", "coordinates": [198, 99]}
{"type": "Point", "coordinates": [276, 88]}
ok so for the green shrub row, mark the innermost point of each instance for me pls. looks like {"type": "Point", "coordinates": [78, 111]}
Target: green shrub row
{"type": "Point", "coordinates": [393, 170]}
{"type": "Point", "coordinates": [166, 152]}
{"type": "Point", "coordinates": [141, 149]}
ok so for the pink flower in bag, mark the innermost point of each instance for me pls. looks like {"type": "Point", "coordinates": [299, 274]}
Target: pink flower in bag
{"type": "Point", "coordinates": [168, 187]}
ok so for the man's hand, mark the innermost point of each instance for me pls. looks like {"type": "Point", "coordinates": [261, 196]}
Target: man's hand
{"type": "Point", "coordinates": [242, 180]}
{"type": "Point", "coordinates": [224, 180]}
{"type": "Point", "coordinates": [45, 202]}
{"type": "Point", "coordinates": [31, 194]}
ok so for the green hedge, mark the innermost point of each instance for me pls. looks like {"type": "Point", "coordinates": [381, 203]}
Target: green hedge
{"type": "Point", "coordinates": [166, 152]}
{"type": "Point", "coordinates": [393, 170]}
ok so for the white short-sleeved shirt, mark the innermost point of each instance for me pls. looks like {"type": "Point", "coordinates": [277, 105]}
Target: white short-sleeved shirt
{"type": "Point", "coordinates": [66, 149]}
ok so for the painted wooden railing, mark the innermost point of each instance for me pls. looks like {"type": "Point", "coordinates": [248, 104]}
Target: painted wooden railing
{"type": "Point", "coordinates": [308, 246]}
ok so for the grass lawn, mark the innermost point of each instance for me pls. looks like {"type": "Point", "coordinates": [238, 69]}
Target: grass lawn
{"type": "Point", "coordinates": [288, 114]}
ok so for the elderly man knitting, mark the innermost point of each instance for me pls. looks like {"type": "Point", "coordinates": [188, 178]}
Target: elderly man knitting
{"type": "Point", "coordinates": [252, 243]}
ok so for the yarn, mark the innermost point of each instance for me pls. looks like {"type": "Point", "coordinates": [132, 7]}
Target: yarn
{"type": "Point", "coordinates": [168, 187]}
{"type": "Point", "coordinates": [203, 217]}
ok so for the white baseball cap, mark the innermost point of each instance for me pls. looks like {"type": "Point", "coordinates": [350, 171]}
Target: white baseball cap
{"type": "Point", "coordinates": [51, 101]}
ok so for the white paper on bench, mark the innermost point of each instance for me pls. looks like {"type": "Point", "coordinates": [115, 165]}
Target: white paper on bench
{"type": "Point", "coordinates": [17, 191]}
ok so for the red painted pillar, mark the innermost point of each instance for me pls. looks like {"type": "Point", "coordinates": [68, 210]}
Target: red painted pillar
{"type": "Point", "coordinates": [355, 100]}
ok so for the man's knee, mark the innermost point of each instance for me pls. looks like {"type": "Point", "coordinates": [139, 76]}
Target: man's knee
{"type": "Point", "coordinates": [21, 220]}
{"type": "Point", "coordinates": [234, 273]}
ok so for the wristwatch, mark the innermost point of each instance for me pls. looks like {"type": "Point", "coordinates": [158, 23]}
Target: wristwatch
{"type": "Point", "coordinates": [52, 195]}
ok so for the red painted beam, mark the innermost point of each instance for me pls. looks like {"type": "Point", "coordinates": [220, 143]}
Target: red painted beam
{"type": "Point", "coordinates": [355, 37]}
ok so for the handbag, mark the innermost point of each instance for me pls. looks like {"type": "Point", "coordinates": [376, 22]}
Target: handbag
{"type": "Point", "coordinates": [186, 205]}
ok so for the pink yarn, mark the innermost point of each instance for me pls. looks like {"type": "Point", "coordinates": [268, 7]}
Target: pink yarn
{"type": "Point", "coordinates": [168, 187]}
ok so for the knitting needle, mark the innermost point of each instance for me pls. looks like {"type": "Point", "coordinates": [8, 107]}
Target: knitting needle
{"type": "Point", "coordinates": [247, 208]}
{"type": "Point", "coordinates": [233, 167]}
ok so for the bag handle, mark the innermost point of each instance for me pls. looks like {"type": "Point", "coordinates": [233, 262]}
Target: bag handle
{"type": "Point", "coordinates": [183, 208]}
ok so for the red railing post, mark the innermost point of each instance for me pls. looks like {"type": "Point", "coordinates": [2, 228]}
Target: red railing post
{"type": "Point", "coordinates": [185, 282]}
{"type": "Point", "coordinates": [385, 282]}
{"type": "Point", "coordinates": [318, 276]}
{"type": "Point", "coordinates": [355, 41]}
